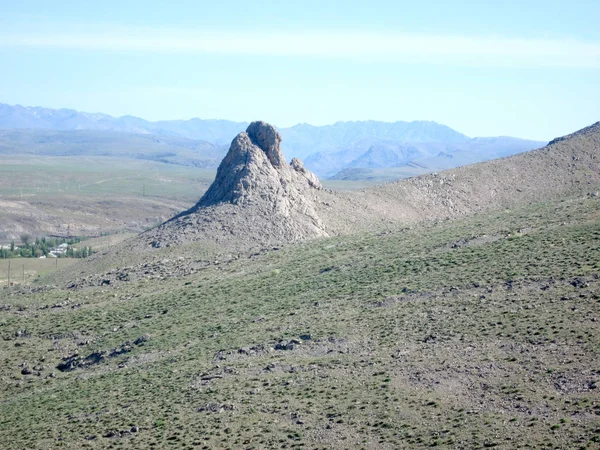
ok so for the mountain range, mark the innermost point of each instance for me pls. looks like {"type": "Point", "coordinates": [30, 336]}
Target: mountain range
{"type": "Point", "coordinates": [341, 147]}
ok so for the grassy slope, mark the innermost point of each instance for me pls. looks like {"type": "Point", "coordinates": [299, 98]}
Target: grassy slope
{"type": "Point", "coordinates": [30, 268]}
{"type": "Point", "coordinates": [464, 333]}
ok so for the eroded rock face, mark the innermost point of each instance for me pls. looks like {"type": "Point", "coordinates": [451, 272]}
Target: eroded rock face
{"type": "Point", "coordinates": [256, 195]}
{"type": "Point", "coordinates": [255, 168]}
{"type": "Point", "coordinates": [267, 138]}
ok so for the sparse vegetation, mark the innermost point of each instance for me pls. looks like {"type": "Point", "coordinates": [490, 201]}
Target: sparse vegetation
{"type": "Point", "coordinates": [432, 336]}
{"type": "Point", "coordinates": [473, 329]}
{"type": "Point", "coordinates": [368, 278]}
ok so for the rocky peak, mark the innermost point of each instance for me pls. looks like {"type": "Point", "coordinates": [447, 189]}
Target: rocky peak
{"type": "Point", "coordinates": [268, 139]}
{"type": "Point", "coordinates": [255, 169]}
{"type": "Point", "coordinates": [256, 196]}
{"type": "Point", "coordinates": [312, 179]}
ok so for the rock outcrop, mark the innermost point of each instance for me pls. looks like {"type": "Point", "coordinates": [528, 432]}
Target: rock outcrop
{"type": "Point", "coordinates": [255, 170]}
{"type": "Point", "coordinates": [256, 196]}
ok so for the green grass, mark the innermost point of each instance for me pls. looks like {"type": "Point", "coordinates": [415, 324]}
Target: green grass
{"type": "Point", "coordinates": [91, 176]}
{"type": "Point", "coordinates": [474, 333]}
{"type": "Point", "coordinates": [31, 268]}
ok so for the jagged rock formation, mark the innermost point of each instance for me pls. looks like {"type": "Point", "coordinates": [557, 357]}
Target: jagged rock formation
{"type": "Point", "coordinates": [255, 168]}
{"type": "Point", "coordinates": [256, 196]}
{"type": "Point", "coordinates": [244, 210]}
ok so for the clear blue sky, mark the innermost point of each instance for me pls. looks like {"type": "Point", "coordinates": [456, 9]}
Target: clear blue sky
{"type": "Point", "coordinates": [524, 68]}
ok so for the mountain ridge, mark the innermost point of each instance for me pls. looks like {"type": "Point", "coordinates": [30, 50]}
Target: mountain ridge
{"type": "Point", "coordinates": [278, 208]}
{"type": "Point", "coordinates": [326, 149]}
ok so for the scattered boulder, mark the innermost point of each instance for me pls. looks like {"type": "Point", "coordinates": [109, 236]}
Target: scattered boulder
{"type": "Point", "coordinates": [76, 361]}
{"type": "Point", "coordinates": [579, 283]}
{"type": "Point", "coordinates": [142, 339]}
{"type": "Point", "coordinates": [215, 408]}
{"type": "Point", "coordinates": [284, 345]}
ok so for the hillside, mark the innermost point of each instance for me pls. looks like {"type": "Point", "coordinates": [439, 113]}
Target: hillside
{"type": "Point", "coordinates": [259, 206]}
{"type": "Point", "coordinates": [566, 165]}
{"type": "Point", "coordinates": [382, 326]}
{"type": "Point", "coordinates": [479, 332]}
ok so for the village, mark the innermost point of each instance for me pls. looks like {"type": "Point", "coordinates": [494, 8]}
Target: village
{"type": "Point", "coordinates": [45, 247]}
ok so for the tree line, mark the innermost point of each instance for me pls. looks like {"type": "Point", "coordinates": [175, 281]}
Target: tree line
{"type": "Point", "coordinates": [29, 248]}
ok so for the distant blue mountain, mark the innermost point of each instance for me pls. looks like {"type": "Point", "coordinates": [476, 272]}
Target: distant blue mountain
{"type": "Point", "coordinates": [429, 155]}
{"type": "Point", "coordinates": [304, 140]}
{"type": "Point", "coordinates": [215, 131]}
{"type": "Point", "coordinates": [325, 150]}
{"type": "Point", "coordinates": [167, 149]}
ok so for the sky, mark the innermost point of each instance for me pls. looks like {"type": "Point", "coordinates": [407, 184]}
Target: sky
{"type": "Point", "coordinates": [524, 68]}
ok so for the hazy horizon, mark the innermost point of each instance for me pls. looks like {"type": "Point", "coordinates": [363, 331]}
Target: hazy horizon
{"type": "Point", "coordinates": [249, 121]}
{"type": "Point", "coordinates": [529, 70]}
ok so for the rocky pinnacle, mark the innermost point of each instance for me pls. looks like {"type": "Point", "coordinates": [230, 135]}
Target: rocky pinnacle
{"type": "Point", "coordinates": [256, 195]}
